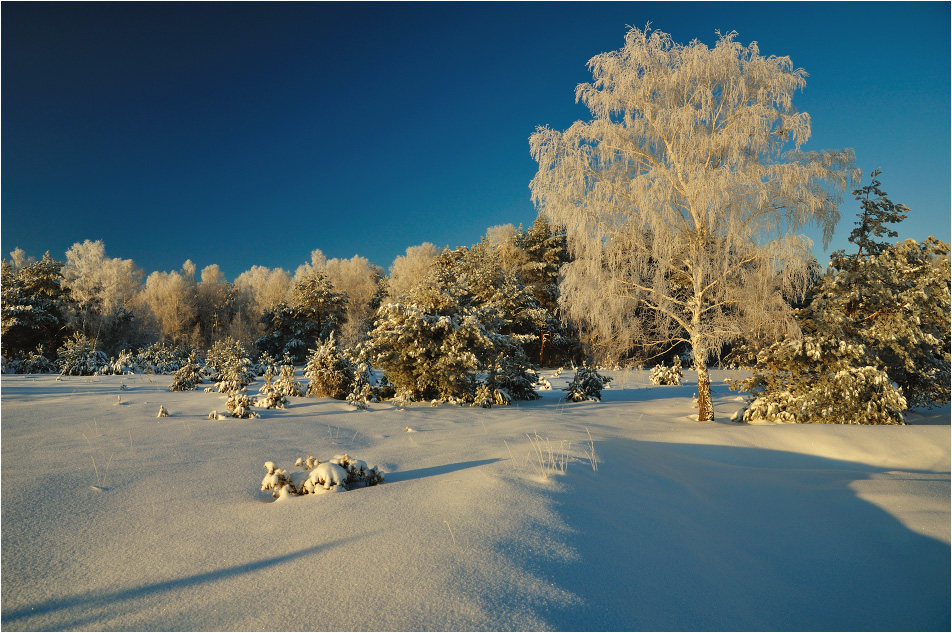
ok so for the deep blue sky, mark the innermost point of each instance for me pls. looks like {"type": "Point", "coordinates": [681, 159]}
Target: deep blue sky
{"type": "Point", "coordinates": [246, 133]}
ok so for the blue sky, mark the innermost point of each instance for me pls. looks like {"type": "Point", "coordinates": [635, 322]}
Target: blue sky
{"type": "Point", "coordinates": [245, 134]}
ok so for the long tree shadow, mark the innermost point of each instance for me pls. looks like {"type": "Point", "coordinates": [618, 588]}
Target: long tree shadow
{"type": "Point", "coordinates": [107, 600]}
{"type": "Point", "coordinates": [432, 471]}
{"type": "Point", "coordinates": [700, 537]}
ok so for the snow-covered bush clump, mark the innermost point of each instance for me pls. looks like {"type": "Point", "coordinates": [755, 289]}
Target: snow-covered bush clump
{"type": "Point", "coordinates": [125, 363]}
{"type": "Point", "coordinates": [159, 358]}
{"type": "Point", "coordinates": [329, 371]}
{"type": "Point", "coordinates": [586, 385]}
{"type": "Point", "coordinates": [340, 473]}
{"type": "Point", "coordinates": [34, 363]}
{"type": "Point", "coordinates": [819, 380]}
{"type": "Point", "coordinates": [188, 375]}
{"type": "Point", "coordinates": [77, 357]}
{"type": "Point", "coordinates": [661, 375]}
{"type": "Point", "coordinates": [239, 404]}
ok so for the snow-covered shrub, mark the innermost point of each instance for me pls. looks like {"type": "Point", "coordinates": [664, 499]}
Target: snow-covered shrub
{"type": "Point", "coordinates": [340, 473]}
{"type": "Point", "coordinates": [330, 372]}
{"type": "Point", "coordinates": [77, 357]}
{"type": "Point", "coordinates": [544, 384]}
{"type": "Point", "coordinates": [661, 375]}
{"type": "Point", "coordinates": [819, 380]}
{"type": "Point", "coordinates": [188, 375]}
{"type": "Point", "coordinates": [33, 363]}
{"type": "Point", "coordinates": [239, 405]}
{"type": "Point", "coordinates": [586, 385]}
{"type": "Point", "coordinates": [163, 413]}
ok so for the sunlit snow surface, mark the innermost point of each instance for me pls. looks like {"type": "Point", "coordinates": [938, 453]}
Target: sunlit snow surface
{"type": "Point", "coordinates": [113, 519]}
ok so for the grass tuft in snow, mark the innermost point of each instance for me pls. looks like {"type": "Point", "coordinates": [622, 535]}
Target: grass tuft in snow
{"type": "Point", "coordinates": [546, 457]}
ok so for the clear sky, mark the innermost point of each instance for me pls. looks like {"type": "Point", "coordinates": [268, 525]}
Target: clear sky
{"type": "Point", "coordinates": [245, 134]}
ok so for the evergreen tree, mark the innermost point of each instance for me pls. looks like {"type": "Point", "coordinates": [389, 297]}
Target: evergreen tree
{"type": "Point", "coordinates": [878, 317]}
{"type": "Point", "coordinates": [188, 375]}
{"type": "Point", "coordinates": [819, 380]}
{"type": "Point", "coordinates": [896, 305]}
{"type": "Point", "coordinates": [35, 307]}
{"type": "Point", "coordinates": [312, 314]}
{"type": "Point", "coordinates": [330, 372]}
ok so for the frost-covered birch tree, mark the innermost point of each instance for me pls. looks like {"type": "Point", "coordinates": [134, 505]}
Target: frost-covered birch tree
{"type": "Point", "coordinates": [682, 197]}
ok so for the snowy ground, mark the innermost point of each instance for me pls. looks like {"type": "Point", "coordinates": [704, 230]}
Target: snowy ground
{"type": "Point", "coordinates": [682, 526]}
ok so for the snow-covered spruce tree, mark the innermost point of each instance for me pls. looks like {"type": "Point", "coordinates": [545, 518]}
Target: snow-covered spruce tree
{"type": "Point", "coordinates": [188, 375]}
{"type": "Point", "coordinates": [586, 385]}
{"type": "Point", "coordinates": [329, 371]}
{"type": "Point", "coordinates": [683, 195]}
{"type": "Point", "coordinates": [78, 357]}
{"type": "Point", "coordinates": [822, 381]}
{"type": "Point", "coordinates": [661, 375]}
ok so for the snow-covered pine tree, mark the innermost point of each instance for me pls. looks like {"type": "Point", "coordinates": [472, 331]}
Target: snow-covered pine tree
{"type": "Point", "coordinates": [188, 375]}
{"type": "Point", "coordinates": [35, 306]}
{"type": "Point", "coordinates": [285, 382]}
{"type": "Point", "coordinates": [329, 371]}
{"type": "Point", "coordinates": [819, 380]}
{"type": "Point", "coordinates": [269, 396]}
{"type": "Point", "coordinates": [314, 311]}
{"type": "Point", "coordinates": [893, 299]}
{"type": "Point", "coordinates": [428, 349]}
{"type": "Point", "coordinates": [586, 385]}
{"type": "Point", "coordinates": [233, 367]}
{"type": "Point", "coordinates": [78, 357]}
{"type": "Point", "coordinates": [239, 404]}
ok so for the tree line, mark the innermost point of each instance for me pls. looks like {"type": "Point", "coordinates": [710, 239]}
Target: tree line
{"type": "Point", "coordinates": [669, 226]}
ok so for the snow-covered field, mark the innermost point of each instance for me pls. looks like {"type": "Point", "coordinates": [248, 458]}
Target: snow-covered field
{"type": "Point", "coordinates": [114, 519]}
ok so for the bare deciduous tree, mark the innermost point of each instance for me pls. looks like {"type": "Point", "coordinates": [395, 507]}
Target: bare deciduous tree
{"type": "Point", "coordinates": [682, 197]}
